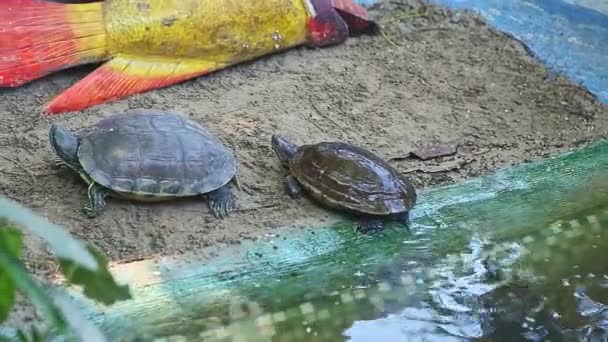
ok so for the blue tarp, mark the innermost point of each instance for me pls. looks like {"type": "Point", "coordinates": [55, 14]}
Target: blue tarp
{"type": "Point", "coordinates": [571, 40]}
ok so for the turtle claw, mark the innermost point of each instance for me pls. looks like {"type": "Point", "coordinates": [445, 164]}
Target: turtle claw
{"type": "Point", "coordinates": [404, 219]}
{"type": "Point", "coordinates": [97, 201]}
{"type": "Point", "coordinates": [89, 212]}
{"type": "Point", "coordinates": [222, 202]}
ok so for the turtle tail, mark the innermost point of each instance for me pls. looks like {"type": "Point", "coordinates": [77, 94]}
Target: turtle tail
{"type": "Point", "coordinates": [38, 37]}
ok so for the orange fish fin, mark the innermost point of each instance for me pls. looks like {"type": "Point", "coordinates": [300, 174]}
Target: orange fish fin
{"type": "Point", "coordinates": [124, 76]}
{"type": "Point", "coordinates": [39, 37]}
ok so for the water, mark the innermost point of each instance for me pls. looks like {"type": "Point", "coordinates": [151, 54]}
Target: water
{"type": "Point", "coordinates": [538, 284]}
{"type": "Point", "coordinates": [553, 286]}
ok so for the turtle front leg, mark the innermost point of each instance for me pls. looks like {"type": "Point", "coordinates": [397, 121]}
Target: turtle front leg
{"type": "Point", "coordinates": [294, 189]}
{"type": "Point", "coordinates": [222, 201]}
{"type": "Point", "coordinates": [97, 200]}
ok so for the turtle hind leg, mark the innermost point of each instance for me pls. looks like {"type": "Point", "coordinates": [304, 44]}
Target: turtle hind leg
{"type": "Point", "coordinates": [368, 225]}
{"type": "Point", "coordinates": [97, 200]}
{"type": "Point", "coordinates": [222, 201]}
{"type": "Point", "coordinates": [403, 219]}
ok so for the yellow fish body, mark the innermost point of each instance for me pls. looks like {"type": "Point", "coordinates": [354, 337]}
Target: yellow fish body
{"type": "Point", "coordinates": [149, 44]}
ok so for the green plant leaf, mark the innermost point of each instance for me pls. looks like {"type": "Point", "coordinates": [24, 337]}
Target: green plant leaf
{"type": "Point", "coordinates": [80, 262]}
{"type": "Point", "coordinates": [7, 300]}
{"type": "Point", "coordinates": [82, 327]}
{"type": "Point", "coordinates": [23, 336]}
{"type": "Point", "coordinates": [11, 243]}
{"type": "Point", "coordinates": [4, 338]}
{"type": "Point", "coordinates": [11, 240]}
{"type": "Point", "coordinates": [35, 336]}
{"type": "Point", "coordinates": [63, 244]}
{"type": "Point", "coordinates": [26, 284]}
{"type": "Point", "coordinates": [98, 285]}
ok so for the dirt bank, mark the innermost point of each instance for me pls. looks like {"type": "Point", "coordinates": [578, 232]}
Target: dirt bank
{"type": "Point", "coordinates": [432, 77]}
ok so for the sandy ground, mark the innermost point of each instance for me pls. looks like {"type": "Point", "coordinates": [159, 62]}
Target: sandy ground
{"type": "Point", "coordinates": [434, 77]}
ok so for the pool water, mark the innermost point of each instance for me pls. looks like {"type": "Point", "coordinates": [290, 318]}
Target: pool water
{"type": "Point", "coordinates": [552, 285]}
{"type": "Point", "coordinates": [545, 283]}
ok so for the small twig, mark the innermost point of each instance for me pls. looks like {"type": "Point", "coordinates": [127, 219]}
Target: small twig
{"type": "Point", "coordinates": [266, 206]}
{"type": "Point", "coordinates": [12, 173]}
{"type": "Point", "coordinates": [18, 163]}
{"type": "Point", "coordinates": [586, 116]}
{"type": "Point", "coordinates": [455, 167]}
{"type": "Point", "coordinates": [45, 174]}
{"type": "Point", "coordinates": [39, 204]}
{"type": "Point", "coordinates": [318, 111]}
{"type": "Point", "coordinates": [247, 191]}
{"type": "Point", "coordinates": [407, 15]}
{"type": "Point", "coordinates": [388, 39]}
{"type": "Point", "coordinates": [427, 29]}
{"type": "Point", "coordinates": [234, 110]}
{"type": "Point", "coordinates": [314, 122]}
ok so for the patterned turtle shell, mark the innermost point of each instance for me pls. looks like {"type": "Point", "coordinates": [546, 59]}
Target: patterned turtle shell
{"type": "Point", "coordinates": [344, 176]}
{"type": "Point", "coordinates": [154, 154]}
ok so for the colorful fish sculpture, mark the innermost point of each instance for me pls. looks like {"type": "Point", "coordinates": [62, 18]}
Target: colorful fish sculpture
{"type": "Point", "coordinates": [150, 44]}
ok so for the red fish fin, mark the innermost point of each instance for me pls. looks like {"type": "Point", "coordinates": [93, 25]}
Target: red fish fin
{"type": "Point", "coordinates": [124, 76]}
{"type": "Point", "coordinates": [355, 16]}
{"type": "Point", "coordinates": [39, 37]}
{"type": "Point", "coordinates": [333, 21]}
{"type": "Point", "coordinates": [326, 27]}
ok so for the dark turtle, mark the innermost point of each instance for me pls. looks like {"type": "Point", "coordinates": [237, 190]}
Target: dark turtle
{"type": "Point", "coordinates": [346, 177]}
{"type": "Point", "coordinates": [148, 155]}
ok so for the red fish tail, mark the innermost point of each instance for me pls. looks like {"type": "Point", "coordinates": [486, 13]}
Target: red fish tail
{"type": "Point", "coordinates": [38, 37]}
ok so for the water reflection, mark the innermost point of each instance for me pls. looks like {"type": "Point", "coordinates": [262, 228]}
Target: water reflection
{"type": "Point", "coordinates": [413, 324]}
{"type": "Point", "coordinates": [553, 286]}
{"type": "Point", "coordinates": [543, 283]}
{"type": "Point", "coordinates": [450, 310]}
{"type": "Point", "coordinates": [548, 283]}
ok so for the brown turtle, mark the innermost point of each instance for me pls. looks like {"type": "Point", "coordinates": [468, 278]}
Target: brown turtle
{"type": "Point", "coordinates": [346, 177]}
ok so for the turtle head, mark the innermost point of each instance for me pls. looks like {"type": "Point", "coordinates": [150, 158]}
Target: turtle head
{"type": "Point", "coordinates": [65, 144]}
{"type": "Point", "coordinates": [284, 149]}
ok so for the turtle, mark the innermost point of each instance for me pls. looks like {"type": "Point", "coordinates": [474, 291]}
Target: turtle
{"type": "Point", "coordinates": [148, 155]}
{"type": "Point", "coordinates": [345, 177]}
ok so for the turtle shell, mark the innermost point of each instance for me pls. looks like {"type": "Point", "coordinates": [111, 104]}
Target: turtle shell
{"type": "Point", "coordinates": [347, 177]}
{"type": "Point", "coordinates": [154, 153]}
